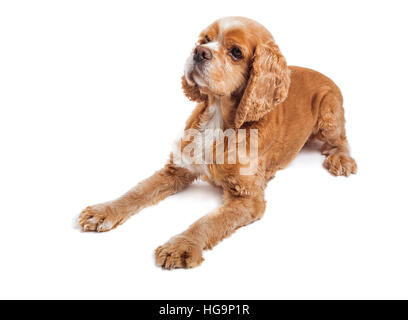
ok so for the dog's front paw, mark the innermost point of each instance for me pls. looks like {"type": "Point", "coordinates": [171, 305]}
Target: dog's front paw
{"type": "Point", "coordinates": [179, 252]}
{"type": "Point", "coordinates": [101, 217]}
{"type": "Point", "coordinates": [340, 164]}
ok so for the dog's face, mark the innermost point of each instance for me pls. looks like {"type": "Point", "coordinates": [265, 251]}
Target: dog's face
{"type": "Point", "coordinates": [219, 64]}
{"type": "Point", "coordinates": [238, 57]}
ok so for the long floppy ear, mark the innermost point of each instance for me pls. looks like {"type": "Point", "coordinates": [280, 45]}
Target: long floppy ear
{"type": "Point", "coordinates": [268, 84]}
{"type": "Point", "coordinates": [192, 92]}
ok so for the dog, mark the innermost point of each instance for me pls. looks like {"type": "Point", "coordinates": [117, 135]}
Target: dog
{"type": "Point", "coordinates": [241, 82]}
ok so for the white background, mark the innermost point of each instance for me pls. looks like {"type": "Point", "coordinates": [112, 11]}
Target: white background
{"type": "Point", "coordinates": [91, 102]}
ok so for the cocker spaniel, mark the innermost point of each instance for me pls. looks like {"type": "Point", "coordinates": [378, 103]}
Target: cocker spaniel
{"type": "Point", "coordinates": [248, 102]}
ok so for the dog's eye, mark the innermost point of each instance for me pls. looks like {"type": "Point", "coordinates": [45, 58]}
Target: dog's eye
{"type": "Point", "coordinates": [236, 53]}
{"type": "Point", "coordinates": [207, 38]}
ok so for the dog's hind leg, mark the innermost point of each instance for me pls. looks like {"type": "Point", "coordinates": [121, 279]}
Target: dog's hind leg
{"type": "Point", "coordinates": [108, 215]}
{"type": "Point", "coordinates": [331, 130]}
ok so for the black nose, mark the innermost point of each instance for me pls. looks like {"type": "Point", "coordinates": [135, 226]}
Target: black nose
{"type": "Point", "coordinates": [202, 53]}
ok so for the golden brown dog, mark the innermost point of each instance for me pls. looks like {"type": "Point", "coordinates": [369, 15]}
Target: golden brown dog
{"type": "Point", "coordinates": [240, 80]}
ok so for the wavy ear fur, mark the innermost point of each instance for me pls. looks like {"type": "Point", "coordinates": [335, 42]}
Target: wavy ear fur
{"type": "Point", "coordinates": [192, 92]}
{"type": "Point", "coordinates": [268, 84]}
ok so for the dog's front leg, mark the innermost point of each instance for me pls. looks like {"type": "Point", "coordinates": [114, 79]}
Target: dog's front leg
{"type": "Point", "coordinates": [185, 250]}
{"type": "Point", "coordinates": [108, 215]}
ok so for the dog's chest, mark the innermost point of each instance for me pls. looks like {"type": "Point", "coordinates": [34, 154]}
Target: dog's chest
{"type": "Point", "coordinates": [203, 137]}
{"type": "Point", "coordinates": [211, 121]}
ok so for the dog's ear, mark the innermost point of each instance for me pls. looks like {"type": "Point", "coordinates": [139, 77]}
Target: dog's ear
{"type": "Point", "coordinates": [268, 84]}
{"type": "Point", "coordinates": [192, 92]}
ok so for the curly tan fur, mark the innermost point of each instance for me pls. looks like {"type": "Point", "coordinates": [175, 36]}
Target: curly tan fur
{"type": "Point", "coordinates": [289, 106]}
{"type": "Point", "coordinates": [268, 84]}
{"type": "Point", "coordinates": [192, 92]}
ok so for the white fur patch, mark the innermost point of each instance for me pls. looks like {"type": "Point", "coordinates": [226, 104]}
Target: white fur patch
{"type": "Point", "coordinates": [106, 225]}
{"type": "Point", "coordinates": [229, 22]}
{"type": "Point", "coordinates": [215, 45]}
{"type": "Point", "coordinates": [214, 121]}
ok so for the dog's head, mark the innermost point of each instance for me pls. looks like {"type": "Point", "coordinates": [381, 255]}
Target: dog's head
{"type": "Point", "coordinates": [237, 57]}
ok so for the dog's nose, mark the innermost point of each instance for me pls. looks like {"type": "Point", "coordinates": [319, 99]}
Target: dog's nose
{"type": "Point", "coordinates": [202, 53]}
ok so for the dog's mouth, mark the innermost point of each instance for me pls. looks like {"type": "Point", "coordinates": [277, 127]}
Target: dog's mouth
{"type": "Point", "coordinates": [197, 78]}
{"type": "Point", "coordinates": [194, 73]}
